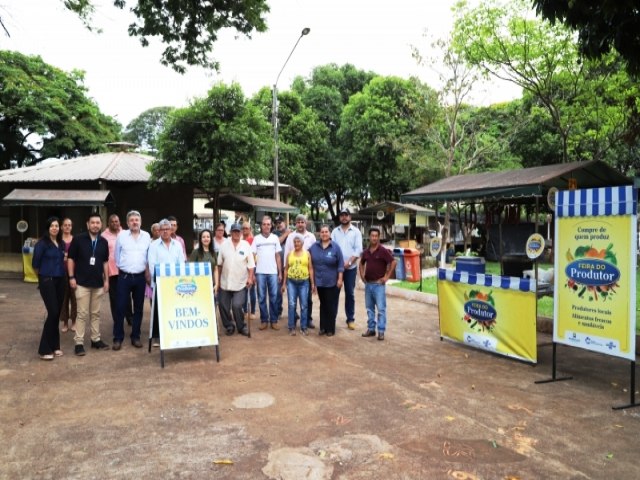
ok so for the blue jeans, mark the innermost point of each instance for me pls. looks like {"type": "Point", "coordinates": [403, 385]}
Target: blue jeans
{"type": "Point", "coordinates": [298, 290]}
{"type": "Point", "coordinates": [349, 283]}
{"type": "Point", "coordinates": [375, 297]}
{"type": "Point", "coordinates": [267, 286]}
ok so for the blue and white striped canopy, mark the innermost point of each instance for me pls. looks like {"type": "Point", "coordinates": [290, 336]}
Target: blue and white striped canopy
{"type": "Point", "coordinates": [183, 269]}
{"type": "Point", "coordinates": [591, 202]}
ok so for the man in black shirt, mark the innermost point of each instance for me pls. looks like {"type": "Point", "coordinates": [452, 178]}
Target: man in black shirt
{"type": "Point", "coordinates": [89, 277]}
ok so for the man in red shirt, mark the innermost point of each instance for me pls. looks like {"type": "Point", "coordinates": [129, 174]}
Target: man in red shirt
{"type": "Point", "coordinates": [376, 265]}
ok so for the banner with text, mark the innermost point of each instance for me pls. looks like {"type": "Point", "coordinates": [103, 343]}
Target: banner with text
{"type": "Point", "coordinates": [489, 312]}
{"type": "Point", "coordinates": [186, 309]}
{"type": "Point", "coordinates": [595, 265]}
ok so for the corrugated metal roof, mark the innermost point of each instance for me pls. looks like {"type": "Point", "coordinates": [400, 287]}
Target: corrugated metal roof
{"type": "Point", "coordinates": [524, 182]}
{"type": "Point", "coordinates": [391, 207]}
{"type": "Point", "coordinates": [112, 166]}
{"type": "Point", "coordinates": [240, 203]}
{"type": "Point", "coordinates": [39, 197]}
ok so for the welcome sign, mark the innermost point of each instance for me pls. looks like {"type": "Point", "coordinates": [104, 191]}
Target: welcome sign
{"type": "Point", "coordinates": [595, 265]}
{"type": "Point", "coordinates": [186, 306]}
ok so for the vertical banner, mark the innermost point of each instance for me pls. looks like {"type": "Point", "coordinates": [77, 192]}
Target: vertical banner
{"type": "Point", "coordinates": [595, 265]}
{"type": "Point", "coordinates": [489, 312]}
{"type": "Point", "coordinates": [421, 219]}
{"type": "Point", "coordinates": [186, 310]}
{"type": "Point", "coordinates": [402, 218]}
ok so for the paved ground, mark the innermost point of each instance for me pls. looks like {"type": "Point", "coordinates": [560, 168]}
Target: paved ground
{"type": "Point", "coordinates": [280, 407]}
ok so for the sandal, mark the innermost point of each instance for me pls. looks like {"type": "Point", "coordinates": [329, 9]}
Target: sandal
{"type": "Point", "coordinates": [73, 327]}
{"type": "Point", "coordinates": [58, 353]}
{"type": "Point", "coordinates": [65, 328]}
{"type": "Point", "coordinates": [48, 356]}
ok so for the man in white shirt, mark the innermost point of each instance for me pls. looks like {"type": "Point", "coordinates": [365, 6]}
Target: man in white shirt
{"type": "Point", "coordinates": [350, 240]}
{"type": "Point", "coordinates": [131, 260]}
{"type": "Point", "coordinates": [308, 240]}
{"type": "Point", "coordinates": [162, 250]}
{"type": "Point", "coordinates": [266, 248]}
{"type": "Point", "coordinates": [233, 276]}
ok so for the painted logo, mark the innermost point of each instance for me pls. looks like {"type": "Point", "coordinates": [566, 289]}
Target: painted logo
{"type": "Point", "coordinates": [480, 312]}
{"type": "Point", "coordinates": [535, 246]}
{"type": "Point", "coordinates": [592, 273]}
{"type": "Point", "coordinates": [186, 287]}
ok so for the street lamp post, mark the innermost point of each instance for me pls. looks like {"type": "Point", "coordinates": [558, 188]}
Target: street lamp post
{"type": "Point", "coordinates": [274, 119]}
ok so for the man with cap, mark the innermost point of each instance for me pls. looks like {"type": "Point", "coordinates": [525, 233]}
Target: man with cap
{"type": "Point", "coordinates": [350, 240]}
{"type": "Point", "coordinates": [308, 240]}
{"type": "Point", "coordinates": [233, 276]}
{"type": "Point", "coordinates": [282, 232]}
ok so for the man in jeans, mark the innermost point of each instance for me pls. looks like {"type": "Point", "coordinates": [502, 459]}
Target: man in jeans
{"type": "Point", "coordinates": [266, 248]}
{"type": "Point", "coordinates": [376, 266]}
{"type": "Point", "coordinates": [89, 277]}
{"type": "Point", "coordinates": [282, 232]}
{"type": "Point", "coordinates": [350, 240]}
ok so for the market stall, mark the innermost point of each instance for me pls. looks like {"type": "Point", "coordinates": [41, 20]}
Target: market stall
{"type": "Point", "coordinates": [498, 313]}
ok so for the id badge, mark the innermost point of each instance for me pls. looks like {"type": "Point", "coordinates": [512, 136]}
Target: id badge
{"type": "Point", "coordinates": [92, 261]}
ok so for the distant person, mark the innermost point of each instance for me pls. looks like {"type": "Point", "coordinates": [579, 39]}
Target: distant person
{"type": "Point", "coordinates": [350, 240]}
{"type": "Point", "coordinates": [282, 232]}
{"type": "Point", "coordinates": [48, 263]}
{"type": "Point", "coordinates": [110, 234]}
{"type": "Point", "coordinates": [247, 236]}
{"type": "Point", "coordinates": [131, 258]}
{"type": "Point", "coordinates": [175, 236]}
{"type": "Point", "coordinates": [69, 312]}
{"type": "Point", "coordinates": [376, 266]}
{"type": "Point", "coordinates": [299, 283]}
{"type": "Point", "coordinates": [328, 268]}
{"type": "Point", "coordinates": [89, 278]}
{"type": "Point", "coordinates": [165, 249]}
{"type": "Point", "coordinates": [234, 276]}
{"type": "Point", "coordinates": [308, 240]}
{"type": "Point", "coordinates": [154, 231]}
{"type": "Point", "coordinates": [266, 248]}
{"type": "Point", "coordinates": [220, 236]}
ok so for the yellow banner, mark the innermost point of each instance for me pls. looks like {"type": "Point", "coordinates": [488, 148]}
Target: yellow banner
{"type": "Point", "coordinates": [402, 218]}
{"type": "Point", "coordinates": [594, 300]}
{"type": "Point", "coordinates": [186, 310]}
{"type": "Point", "coordinates": [421, 219]}
{"type": "Point", "coordinates": [499, 320]}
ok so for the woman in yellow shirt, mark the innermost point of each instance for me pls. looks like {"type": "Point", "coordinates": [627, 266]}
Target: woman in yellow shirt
{"type": "Point", "coordinates": [298, 282]}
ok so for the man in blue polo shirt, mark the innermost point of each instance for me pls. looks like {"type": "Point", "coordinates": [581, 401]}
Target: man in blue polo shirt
{"type": "Point", "coordinates": [350, 240]}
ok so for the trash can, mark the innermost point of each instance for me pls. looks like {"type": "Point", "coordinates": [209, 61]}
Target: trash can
{"type": "Point", "coordinates": [472, 265]}
{"type": "Point", "coordinates": [412, 267]}
{"type": "Point", "coordinates": [398, 254]}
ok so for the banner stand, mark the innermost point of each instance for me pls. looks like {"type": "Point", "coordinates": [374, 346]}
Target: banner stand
{"type": "Point", "coordinates": [184, 304]}
{"type": "Point", "coordinates": [632, 389]}
{"type": "Point", "coordinates": [553, 370]}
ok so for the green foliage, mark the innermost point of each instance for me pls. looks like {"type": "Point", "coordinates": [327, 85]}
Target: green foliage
{"type": "Point", "coordinates": [215, 144]}
{"type": "Point", "coordinates": [601, 26]}
{"type": "Point", "coordinates": [187, 29]}
{"type": "Point", "coordinates": [145, 129]}
{"type": "Point", "coordinates": [373, 124]}
{"type": "Point", "coordinates": [45, 112]}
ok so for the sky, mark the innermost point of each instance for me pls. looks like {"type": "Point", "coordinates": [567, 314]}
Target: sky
{"type": "Point", "coordinates": [126, 79]}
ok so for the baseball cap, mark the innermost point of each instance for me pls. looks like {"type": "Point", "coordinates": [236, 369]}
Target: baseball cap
{"type": "Point", "coordinates": [279, 219]}
{"type": "Point", "coordinates": [345, 210]}
{"type": "Point", "coordinates": [236, 226]}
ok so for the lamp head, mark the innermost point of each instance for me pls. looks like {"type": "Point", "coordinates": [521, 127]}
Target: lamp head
{"type": "Point", "coordinates": [305, 31]}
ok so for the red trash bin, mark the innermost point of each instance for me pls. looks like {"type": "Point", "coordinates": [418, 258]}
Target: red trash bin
{"type": "Point", "coordinates": [412, 268]}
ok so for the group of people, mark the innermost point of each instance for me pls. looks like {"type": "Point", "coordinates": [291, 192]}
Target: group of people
{"type": "Point", "coordinates": [276, 261]}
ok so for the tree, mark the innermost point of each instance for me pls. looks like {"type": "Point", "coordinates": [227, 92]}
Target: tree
{"type": "Point", "coordinates": [214, 144]}
{"type": "Point", "coordinates": [188, 29]}
{"type": "Point", "coordinates": [145, 129]}
{"type": "Point", "coordinates": [601, 26]}
{"type": "Point", "coordinates": [327, 92]}
{"type": "Point", "coordinates": [45, 112]}
{"type": "Point", "coordinates": [303, 143]}
{"type": "Point", "coordinates": [373, 124]}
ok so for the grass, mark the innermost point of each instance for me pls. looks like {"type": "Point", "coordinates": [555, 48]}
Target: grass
{"type": "Point", "coordinates": [429, 285]}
